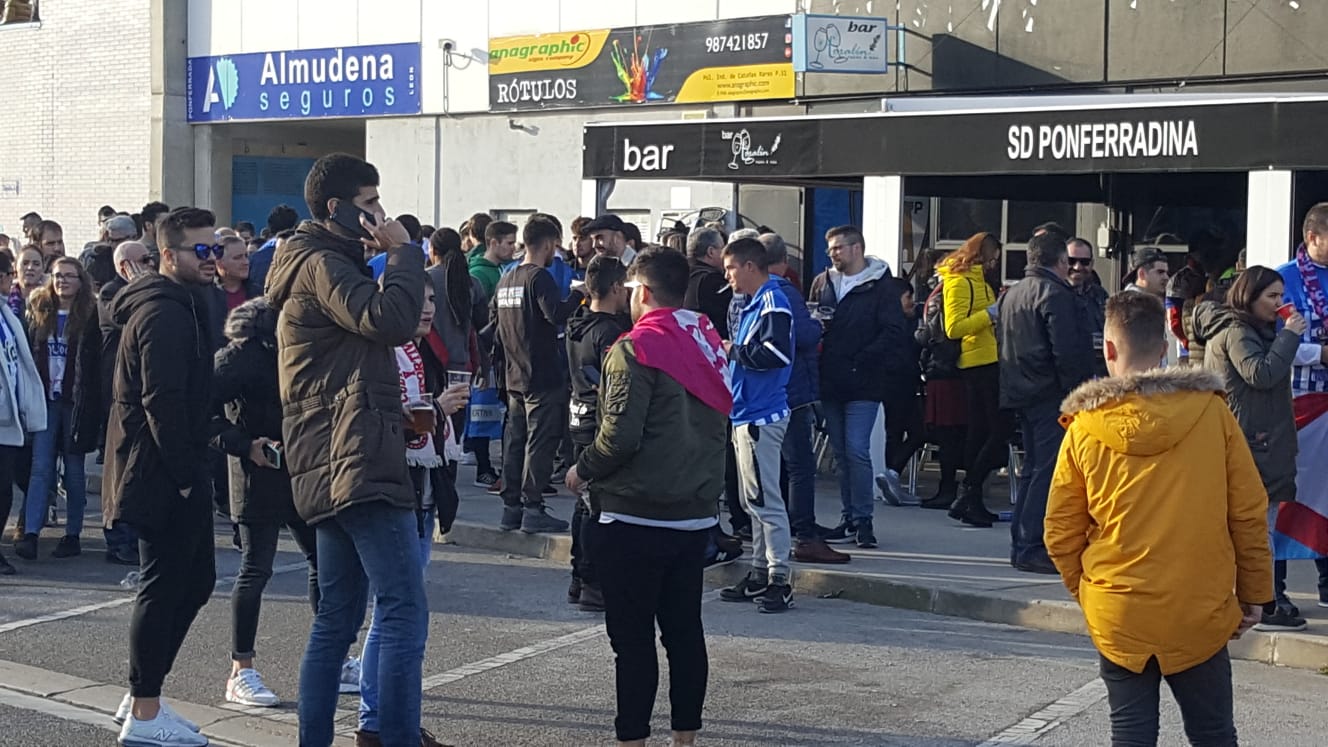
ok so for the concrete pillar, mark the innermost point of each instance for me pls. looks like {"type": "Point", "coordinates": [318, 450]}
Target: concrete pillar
{"type": "Point", "coordinates": [1268, 218]}
{"type": "Point", "coordinates": [213, 151]}
{"type": "Point", "coordinates": [882, 219]}
{"type": "Point", "coordinates": [595, 195]}
{"type": "Point", "coordinates": [171, 156]}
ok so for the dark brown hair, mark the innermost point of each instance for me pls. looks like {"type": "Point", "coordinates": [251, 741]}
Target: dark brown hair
{"type": "Point", "coordinates": [1248, 287]}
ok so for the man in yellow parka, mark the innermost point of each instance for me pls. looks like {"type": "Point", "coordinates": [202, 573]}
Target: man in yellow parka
{"type": "Point", "coordinates": [1156, 522]}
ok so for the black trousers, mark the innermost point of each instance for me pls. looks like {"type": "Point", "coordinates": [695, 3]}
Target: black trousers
{"type": "Point", "coordinates": [534, 431]}
{"type": "Point", "coordinates": [9, 456]}
{"type": "Point", "coordinates": [178, 571]}
{"type": "Point", "coordinates": [1203, 693]}
{"type": "Point", "coordinates": [582, 519]}
{"type": "Point", "coordinates": [258, 550]}
{"type": "Point", "coordinates": [651, 575]}
{"type": "Point", "coordinates": [903, 430]}
{"type": "Point", "coordinates": [988, 428]}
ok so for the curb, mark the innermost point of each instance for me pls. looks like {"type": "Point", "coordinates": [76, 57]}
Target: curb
{"type": "Point", "coordinates": [1295, 650]}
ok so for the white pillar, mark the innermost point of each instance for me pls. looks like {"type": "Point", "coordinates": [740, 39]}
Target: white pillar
{"type": "Point", "coordinates": [882, 227]}
{"type": "Point", "coordinates": [1268, 219]}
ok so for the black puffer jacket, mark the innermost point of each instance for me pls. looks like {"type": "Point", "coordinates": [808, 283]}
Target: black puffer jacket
{"type": "Point", "coordinates": [248, 406]}
{"type": "Point", "coordinates": [590, 334]}
{"type": "Point", "coordinates": [160, 423]}
{"type": "Point", "coordinates": [340, 386]}
{"type": "Point", "coordinates": [1046, 343]}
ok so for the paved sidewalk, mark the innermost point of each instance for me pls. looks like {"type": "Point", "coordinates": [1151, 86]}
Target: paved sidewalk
{"type": "Point", "coordinates": [925, 562]}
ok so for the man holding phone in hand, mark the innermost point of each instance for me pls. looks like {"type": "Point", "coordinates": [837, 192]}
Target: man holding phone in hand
{"type": "Point", "coordinates": [345, 445]}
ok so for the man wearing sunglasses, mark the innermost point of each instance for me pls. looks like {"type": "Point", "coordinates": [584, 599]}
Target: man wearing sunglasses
{"type": "Point", "coordinates": [1092, 296]}
{"type": "Point", "coordinates": [155, 479]}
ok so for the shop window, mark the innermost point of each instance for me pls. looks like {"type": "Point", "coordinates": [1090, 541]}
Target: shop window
{"type": "Point", "coordinates": [1023, 217]}
{"type": "Point", "coordinates": [18, 11]}
{"type": "Point", "coordinates": [958, 218]}
{"type": "Point", "coordinates": [1174, 226]}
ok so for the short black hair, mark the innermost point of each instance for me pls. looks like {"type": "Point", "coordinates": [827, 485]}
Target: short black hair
{"type": "Point", "coordinates": [411, 224]}
{"type": "Point", "coordinates": [538, 231]}
{"type": "Point", "coordinates": [336, 176]}
{"type": "Point", "coordinates": [497, 229]}
{"type": "Point", "coordinates": [748, 250]}
{"type": "Point", "coordinates": [281, 218]}
{"type": "Point", "coordinates": [632, 234]}
{"type": "Point", "coordinates": [1052, 226]}
{"type": "Point", "coordinates": [550, 218]}
{"type": "Point", "coordinates": [154, 210]}
{"type": "Point", "coordinates": [28, 215]}
{"type": "Point", "coordinates": [179, 220]}
{"type": "Point", "coordinates": [1138, 317]}
{"type": "Point", "coordinates": [6, 263]}
{"type": "Point", "coordinates": [1047, 250]}
{"type": "Point", "coordinates": [48, 225]}
{"type": "Point", "coordinates": [665, 272]}
{"type": "Point", "coordinates": [104, 212]}
{"type": "Point", "coordinates": [444, 240]}
{"type": "Point", "coordinates": [243, 226]}
{"type": "Point", "coordinates": [603, 273]}
{"type": "Point", "coordinates": [851, 234]}
{"type": "Point", "coordinates": [427, 231]}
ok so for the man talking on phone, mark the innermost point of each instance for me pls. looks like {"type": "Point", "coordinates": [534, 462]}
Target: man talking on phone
{"type": "Point", "coordinates": [345, 440]}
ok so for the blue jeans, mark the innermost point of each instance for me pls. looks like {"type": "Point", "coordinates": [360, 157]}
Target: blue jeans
{"type": "Point", "coordinates": [800, 462]}
{"type": "Point", "coordinates": [55, 441]}
{"type": "Point", "coordinates": [1042, 434]}
{"type": "Point", "coordinates": [849, 425]}
{"type": "Point", "coordinates": [370, 543]}
{"type": "Point", "coordinates": [373, 640]}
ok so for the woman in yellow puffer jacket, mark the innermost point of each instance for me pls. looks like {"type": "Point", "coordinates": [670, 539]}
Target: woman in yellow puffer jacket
{"type": "Point", "coordinates": [967, 299]}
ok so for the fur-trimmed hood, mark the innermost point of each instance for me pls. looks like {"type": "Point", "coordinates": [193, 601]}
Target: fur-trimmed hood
{"type": "Point", "coordinates": [253, 319]}
{"type": "Point", "coordinates": [1147, 413]}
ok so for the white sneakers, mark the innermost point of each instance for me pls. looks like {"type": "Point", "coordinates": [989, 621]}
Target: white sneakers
{"type": "Point", "coordinates": [246, 688]}
{"type": "Point", "coordinates": [122, 713]}
{"type": "Point", "coordinates": [350, 676]}
{"type": "Point", "coordinates": [166, 730]}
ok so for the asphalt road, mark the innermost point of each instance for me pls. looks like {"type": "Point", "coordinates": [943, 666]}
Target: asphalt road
{"type": "Point", "coordinates": [827, 673]}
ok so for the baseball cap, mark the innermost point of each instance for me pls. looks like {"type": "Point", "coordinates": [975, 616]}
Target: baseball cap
{"type": "Point", "coordinates": [121, 227]}
{"type": "Point", "coordinates": [606, 222]}
{"type": "Point", "coordinates": [1146, 256]}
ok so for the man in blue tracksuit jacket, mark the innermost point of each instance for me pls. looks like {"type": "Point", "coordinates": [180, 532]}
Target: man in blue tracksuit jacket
{"type": "Point", "coordinates": [761, 358]}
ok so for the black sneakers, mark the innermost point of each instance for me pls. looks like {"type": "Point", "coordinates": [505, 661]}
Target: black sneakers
{"type": "Point", "coordinates": [844, 534]}
{"type": "Point", "coordinates": [1281, 620]}
{"type": "Point", "coordinates": [753, 585]}
{"type": "Point", "coordinates": [574, 591]}
{"type": "Point", "coordinates": [26, 548]}
{"type": "Point", "coordinates": [778, 596]}
{"type": "Point", "coordinates": [69, 547]}
{"type": "Point", "coordinates": [485, 480]}
{"type": "Point", "coordinates": [866, 537]}
{"type": "Point", "coordinates": [592, 599]}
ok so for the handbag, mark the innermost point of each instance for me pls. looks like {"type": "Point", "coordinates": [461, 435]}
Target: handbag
{"type": "Point", "coordinates": [486, 413]}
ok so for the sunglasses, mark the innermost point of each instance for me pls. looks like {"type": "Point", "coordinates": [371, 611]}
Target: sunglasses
{"type": "Point", "coordinates": [203, 250]}
{"type": "Point", "coordinates": [1080, 262]}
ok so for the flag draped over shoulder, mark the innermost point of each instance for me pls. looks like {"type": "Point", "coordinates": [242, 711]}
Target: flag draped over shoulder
{"type": "Point", "coordinates": [684, 345]}
{"type": "Point", "coordinates": [1301, 529]}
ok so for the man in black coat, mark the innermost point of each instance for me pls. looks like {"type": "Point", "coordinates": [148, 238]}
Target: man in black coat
{"type": "Point", "coordinates": [707, 290]}
{"type": "Point", "coordinates": [1045, 352]}
{"type": "Point", "coordinates": [158, 433]}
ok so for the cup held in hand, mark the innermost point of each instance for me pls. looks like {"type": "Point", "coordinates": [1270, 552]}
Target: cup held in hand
{"type": "Point", "coordinates": [423, 419]}
{"type": "Point", "coordinates": [1286, 310]}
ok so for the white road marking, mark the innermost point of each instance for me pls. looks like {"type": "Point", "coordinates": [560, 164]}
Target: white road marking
{"type": "Point", "coordinates": [1052, 716]}
{"type": "Point", "coordinates": [118, 602]}
{"type": "Point", "coordinates": [67, 712]}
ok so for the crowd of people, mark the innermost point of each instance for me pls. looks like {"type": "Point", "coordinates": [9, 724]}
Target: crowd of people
{"type": "Point", "coordinates": [339, 371]}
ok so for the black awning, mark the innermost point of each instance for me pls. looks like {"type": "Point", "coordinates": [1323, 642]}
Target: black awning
{"type": "Point", "coordinates": [1185, 137]}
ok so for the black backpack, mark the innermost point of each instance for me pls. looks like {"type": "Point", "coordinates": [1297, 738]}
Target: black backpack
{"type": "Point", "coordinates": [940, 354]}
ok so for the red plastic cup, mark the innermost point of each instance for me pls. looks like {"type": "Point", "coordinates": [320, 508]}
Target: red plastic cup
{"type": "Point", "coordinates": [1286, 310]}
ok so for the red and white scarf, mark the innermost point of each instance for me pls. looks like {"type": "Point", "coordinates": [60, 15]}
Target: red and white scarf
{"type": "Point", "coordinates": [420, 451]}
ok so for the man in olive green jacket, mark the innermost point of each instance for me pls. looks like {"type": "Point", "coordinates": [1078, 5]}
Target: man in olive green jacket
{"type": "Point", "coordinates": [655, 473]}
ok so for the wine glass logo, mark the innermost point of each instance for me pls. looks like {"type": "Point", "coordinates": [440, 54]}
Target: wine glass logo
{"type": "Point", "coordinates": [826, 40]}
{"type": "Point", "coordinates": [741, 147]}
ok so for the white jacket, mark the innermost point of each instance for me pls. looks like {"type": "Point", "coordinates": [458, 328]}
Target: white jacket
{"type": "Point", "coordinates": [22, 408]}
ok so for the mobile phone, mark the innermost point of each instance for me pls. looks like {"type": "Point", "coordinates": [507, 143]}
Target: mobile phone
{"type": "Point", "coordinates": [347, 215]}
{"type": "Point", "coordinates": [273, 454]}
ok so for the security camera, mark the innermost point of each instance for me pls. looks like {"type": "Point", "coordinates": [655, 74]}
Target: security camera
{"type": "Point", "coordinates": [447, 45]}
